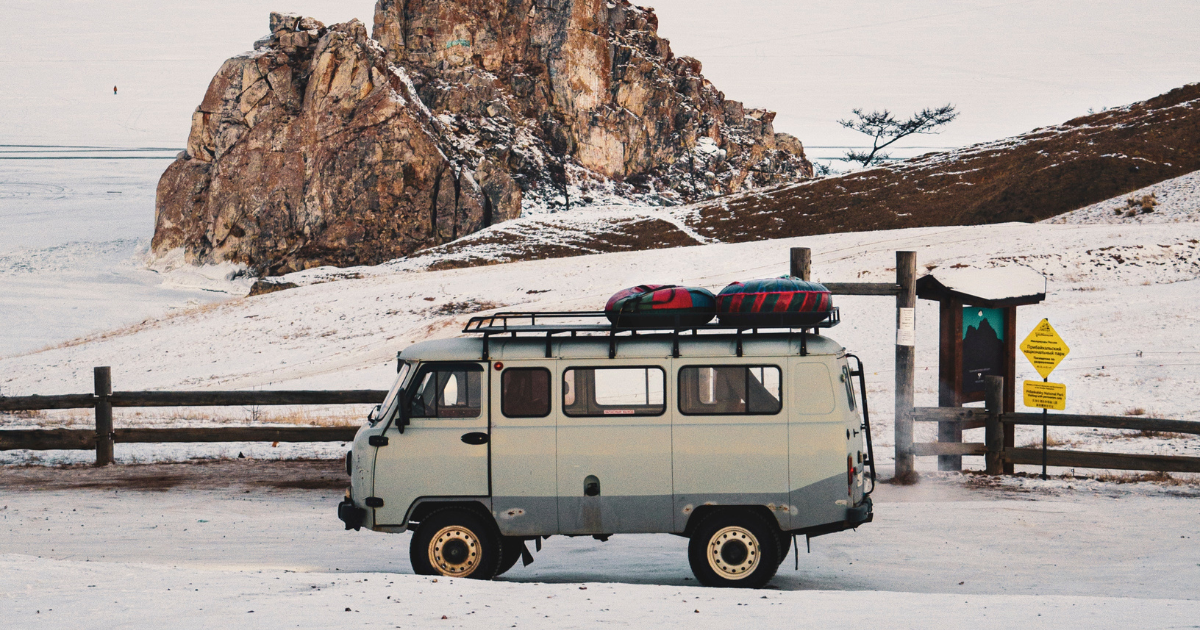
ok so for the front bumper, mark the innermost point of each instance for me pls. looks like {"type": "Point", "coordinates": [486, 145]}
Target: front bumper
{"type": "Point", "coordinates": [350, 514]}
{"type": "Point", "coordinates": [864, 513]}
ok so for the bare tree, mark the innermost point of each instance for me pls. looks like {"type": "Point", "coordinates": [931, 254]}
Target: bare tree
{"type": "Point", "coordinates": [884, 129]}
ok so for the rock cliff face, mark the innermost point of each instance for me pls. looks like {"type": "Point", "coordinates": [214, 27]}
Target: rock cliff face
{"type": "Point", "coordinates": [329, 146]}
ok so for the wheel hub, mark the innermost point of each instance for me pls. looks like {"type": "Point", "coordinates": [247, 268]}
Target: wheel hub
{"type": "Point", "coordinates": [454, 551]}
{"type": "Point", "coordinates": [733, 553]}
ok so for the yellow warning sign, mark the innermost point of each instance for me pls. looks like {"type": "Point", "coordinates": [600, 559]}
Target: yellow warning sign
{"type": "Point", "coordinates": [1045, 395]}
{"type": "Point", "coordinates": [1044, 348]}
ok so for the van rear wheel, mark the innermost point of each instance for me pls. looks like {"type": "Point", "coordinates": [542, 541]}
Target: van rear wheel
{"type": "Point", "coordinates": [456, 543]}
{"type": "Point", "coordinates": [510, 555]}
{"type": "Point", "coordinates": [734, 549]}
{"type": "Point", "coordinates": [785, 546]}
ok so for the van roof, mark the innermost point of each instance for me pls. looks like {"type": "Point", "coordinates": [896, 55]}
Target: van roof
{"type": "Point", "coordinates": [597, 347]}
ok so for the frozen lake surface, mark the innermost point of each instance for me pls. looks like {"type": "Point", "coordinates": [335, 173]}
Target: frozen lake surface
{"type": "Point", "coordinates": [77, 228]}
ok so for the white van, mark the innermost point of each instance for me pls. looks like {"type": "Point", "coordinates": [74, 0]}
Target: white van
{"type": "Point", "coordinates": [736, 439]}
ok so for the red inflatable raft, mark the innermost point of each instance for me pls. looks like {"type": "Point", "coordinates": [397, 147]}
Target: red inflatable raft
{"type": "Point", "coordinates": [774, 302]}
{"type": "Point", "coordinates": [661, 306]}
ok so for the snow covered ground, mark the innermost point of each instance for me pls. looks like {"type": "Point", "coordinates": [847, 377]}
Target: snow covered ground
{"type": "Point", "coordinates": [1171, 201]}
{"type": "Point", "coordinates": [937, 556]}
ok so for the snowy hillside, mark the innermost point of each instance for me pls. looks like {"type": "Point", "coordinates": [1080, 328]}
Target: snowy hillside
{"type": "Point", "coordinates": [1121, 296]}
{"type": "Point", "coordinates": [1170, 201]}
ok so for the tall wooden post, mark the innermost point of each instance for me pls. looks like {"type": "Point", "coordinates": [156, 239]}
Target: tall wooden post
{"type": "Point", "coordinates": [801, 263]}
{"type": "Point", "coordinates": [1010, 370]}
{"type": "Point", "coordinates": [950, 377]}
{"type": "Point", "coordinates": [104, 418]}
{"type": "Point", "coordinates": [993, 435]}
{"type": "Point", "coordinates": [906, 318]}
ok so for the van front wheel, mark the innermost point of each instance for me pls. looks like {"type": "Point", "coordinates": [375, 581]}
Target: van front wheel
{"type": "Point", "coordinates": [734, 549]}
{"type": "Point", "coordinates": [455, 543]}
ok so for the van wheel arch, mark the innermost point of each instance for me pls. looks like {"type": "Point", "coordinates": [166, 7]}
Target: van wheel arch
{"type": "Point", "coordinates": [702, 512]}
{"type": "Point", "coordinates": [423, 508]}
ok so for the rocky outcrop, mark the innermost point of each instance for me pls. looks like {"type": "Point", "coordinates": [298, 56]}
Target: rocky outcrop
{"type": "Point", "coordinates": [328, 146]}
{"type": "Point", "coordinates": [314, 150]}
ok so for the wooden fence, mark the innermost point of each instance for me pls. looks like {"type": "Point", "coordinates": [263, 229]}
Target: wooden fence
{"type": "Point", "coordinates": [104, 435]}
{"type": "Point", "coordinates": [996, 454]}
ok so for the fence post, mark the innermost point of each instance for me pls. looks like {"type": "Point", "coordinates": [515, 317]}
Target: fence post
{"type": "Point", "coordinates": [993, 430]}
{"type": "Point", "coordinates": [906, 303]}
{"type": "Point", "coordinates": [104, 418]}
{"type": "Point", "coordinates": [801, 263]}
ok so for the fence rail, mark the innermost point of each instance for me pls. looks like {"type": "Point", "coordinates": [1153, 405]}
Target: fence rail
{"type": "Point", "coordinates": [196, 399]}
{"type": "Point", "coordinates": [1115, 461]}
{"type": "Point", "coordinates": [1105, 422]}
{"type": "Point", "coordinates": [85, 439]}
{"type": "Point", "coordinates": [39, 403]}
{"type": "Point", "coordinates": [862, 288]}
{"type": "Point", "coordinates": [996, 454]}
{"type": "Point", "coordinates": [968, 417]}
{"type": "Point", "coordinates": [104, 435]}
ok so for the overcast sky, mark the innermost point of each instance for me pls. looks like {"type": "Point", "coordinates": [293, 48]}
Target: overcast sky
{"type": "Point", "coordinates": [1008, 66]}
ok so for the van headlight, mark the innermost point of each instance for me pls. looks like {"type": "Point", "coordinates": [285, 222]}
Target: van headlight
{"type": "Point", "coordinates": [350, 463]}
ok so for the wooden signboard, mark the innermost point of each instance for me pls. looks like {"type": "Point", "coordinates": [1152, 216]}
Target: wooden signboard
{"type": "Point", "coordinates": [977, 339]}
{"type": "Point", "coordinates": [983, 347]}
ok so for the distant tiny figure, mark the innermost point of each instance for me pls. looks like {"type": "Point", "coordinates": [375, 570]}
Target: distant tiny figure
{"type": "Point", "coordinates": [114, 90]}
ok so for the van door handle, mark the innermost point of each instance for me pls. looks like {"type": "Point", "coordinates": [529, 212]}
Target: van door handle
{"type": "Point", "coordinates": [475, 438]}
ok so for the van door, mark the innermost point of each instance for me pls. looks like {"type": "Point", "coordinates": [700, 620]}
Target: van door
{"type": "Point", "coordinates": [524, 494]}
{"type": "Point", "coordinates": [443, 450]}
{"type": "Point", "coordinates": [614, 448]}
{"type": "Point", "coordinates": [731, 435]}
{"type": "Point", "coordinates": [818, 444]}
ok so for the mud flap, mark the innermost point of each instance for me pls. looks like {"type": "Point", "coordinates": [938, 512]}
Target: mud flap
{"type": "Point", "coordinates": [526, 557]}
{"type": "Point", "coordinates": [351, 515]}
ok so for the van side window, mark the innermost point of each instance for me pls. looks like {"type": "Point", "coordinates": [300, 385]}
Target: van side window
{"type": "Point", "coordinates": [730, 390]}
{"type": "Point", "coordinates": [525, 392]}
{"type": "Point", "coordinates": [447, 394]}
{"type": "Point", "coordinates": [614, 391]}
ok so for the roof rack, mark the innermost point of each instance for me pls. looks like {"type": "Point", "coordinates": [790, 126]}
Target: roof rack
{"type": "Point", "coordinates": [550, 323]}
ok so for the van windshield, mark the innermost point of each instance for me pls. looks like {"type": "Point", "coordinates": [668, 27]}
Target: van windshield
{"type": "Point", "coordinates": [388, 407]}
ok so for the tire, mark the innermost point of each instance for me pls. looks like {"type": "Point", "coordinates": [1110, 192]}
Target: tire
{"type": "Point", "coordinates": [510, 554]}
{"type": "Point", "coordinates": [456, 543]}
{"type": "Point", "coordinates": [734, 549]}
